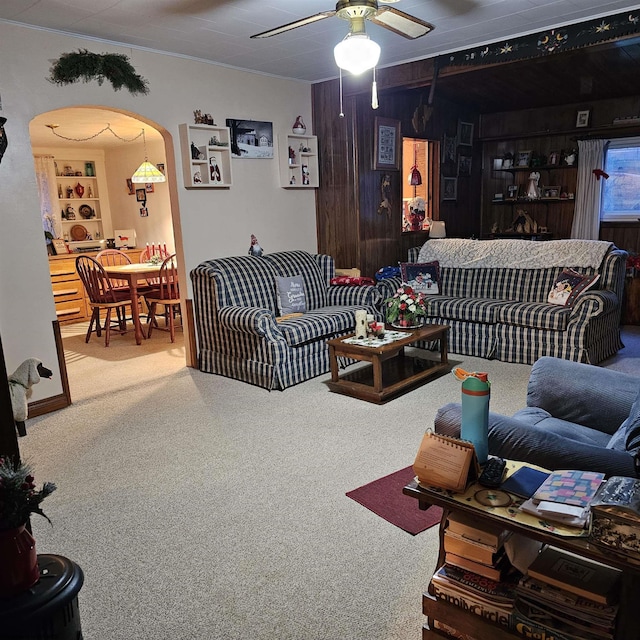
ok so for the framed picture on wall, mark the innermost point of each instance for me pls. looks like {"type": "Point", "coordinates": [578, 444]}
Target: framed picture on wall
{"type": "Point", "coordinates": [582, 118]}
{"type": "Point", "coordinates": [141, 194]}
{"type": "Point", "coordinates": [449, 188]}
{"type": "Point", "coordinates": [464, 165]}
{"type": "Point", "coordinates": [465, 133]}
{"type": "Point", "coordinates": [386, 144]}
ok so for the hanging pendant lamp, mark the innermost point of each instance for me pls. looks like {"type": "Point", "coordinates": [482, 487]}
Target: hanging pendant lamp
{"type": "Point", "coordinates": [147, 172]}
{"type": "Point", "coordinates": [415, 178]}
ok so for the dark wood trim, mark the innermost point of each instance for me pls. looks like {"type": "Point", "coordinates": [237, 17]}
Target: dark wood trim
{"type": "Point", "coordinates": [8, 433]}
{"type": "Point", "coordinates": [47, 405]}
{"type": "Point", "coordinates": [192, 351]}
{"type": "Point", "coordinates": [62, 400]}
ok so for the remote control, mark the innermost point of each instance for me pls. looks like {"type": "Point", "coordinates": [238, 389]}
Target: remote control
{"type": "Point", "coordinates": [492, 473]}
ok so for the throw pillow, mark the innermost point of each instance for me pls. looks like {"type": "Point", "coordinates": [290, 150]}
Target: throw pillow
{"type": "Point", "coordinates": [627, 437]}
{"type": "Point", "coordinates": [423, 277]}
{"type": "Point", "coordinates": [291, 296]}
{"type": "Point", "coordinates": [569, 285]}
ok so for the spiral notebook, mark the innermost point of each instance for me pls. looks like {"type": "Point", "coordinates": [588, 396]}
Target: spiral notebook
{"type": "Point", "coordinates": [445, 462]}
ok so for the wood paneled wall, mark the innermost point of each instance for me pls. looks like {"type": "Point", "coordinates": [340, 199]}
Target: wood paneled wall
{"type": "Point", "coordinates": [349, 226]}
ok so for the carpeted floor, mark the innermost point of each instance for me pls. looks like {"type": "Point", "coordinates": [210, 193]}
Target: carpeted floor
{"type": "Point", "coordinates": [204, 508]}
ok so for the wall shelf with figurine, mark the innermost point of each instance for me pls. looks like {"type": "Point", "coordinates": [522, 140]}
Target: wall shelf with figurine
{"type": "Point", "coordinates": [206, 156]}
{"type": "Point", "coordinates": [298, 161]}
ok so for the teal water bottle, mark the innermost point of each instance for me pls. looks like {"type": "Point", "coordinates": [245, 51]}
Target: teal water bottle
{"type": "Point", "coordinates": [475, 413]}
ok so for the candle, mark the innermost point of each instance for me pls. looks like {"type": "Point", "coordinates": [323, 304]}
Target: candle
{"type": "Point", "coordinates": [361, 323]}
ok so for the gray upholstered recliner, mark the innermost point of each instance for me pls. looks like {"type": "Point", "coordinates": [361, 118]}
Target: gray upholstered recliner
{"type": "Point", "coordinates": [578, 416]}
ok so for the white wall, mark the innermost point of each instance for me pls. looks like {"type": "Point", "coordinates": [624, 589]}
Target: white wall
{"type": "Point", "coordinates": [214, 222]}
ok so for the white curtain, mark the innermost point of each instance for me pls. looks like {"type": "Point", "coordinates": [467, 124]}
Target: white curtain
{"type": "Point", "coordinates": [586, 216]}
{"type": "Point", "coordinates": [46, 181]}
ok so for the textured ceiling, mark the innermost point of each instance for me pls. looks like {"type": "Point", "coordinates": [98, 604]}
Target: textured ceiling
{"type": "Point", "coordinates": [219, 30]}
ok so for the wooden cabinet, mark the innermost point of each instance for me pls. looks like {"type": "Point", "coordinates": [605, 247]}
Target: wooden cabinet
{"type": "Point", "coordinates": [206, 156]}
{"type": "Point", "coordinates": [466, 622]}
{"type": "Point", "coordinates": [69, 294]}
{"type": "Point", "coordinates": [81, 210]}
{"type": "Point", "coordinates": [298, 161]}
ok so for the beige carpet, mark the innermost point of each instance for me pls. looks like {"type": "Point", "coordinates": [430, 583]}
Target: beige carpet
{"type": "Point", "coordinates": [204, 508]}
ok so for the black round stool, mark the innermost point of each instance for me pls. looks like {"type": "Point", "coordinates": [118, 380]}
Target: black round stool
{"type": "Point", "coordinates": [48, 610]}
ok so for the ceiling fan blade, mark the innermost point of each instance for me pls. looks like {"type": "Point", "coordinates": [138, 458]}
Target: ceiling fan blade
{"type": "Point", "coordinates": [295, 25]}
{"type": "Point", "coordinates": [401, 23]}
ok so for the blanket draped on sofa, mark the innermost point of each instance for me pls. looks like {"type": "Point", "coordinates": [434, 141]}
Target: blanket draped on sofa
{"type": "Point", "coordinates": [521, 254]}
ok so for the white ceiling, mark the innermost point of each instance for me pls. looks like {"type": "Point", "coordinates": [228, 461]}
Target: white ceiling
{"type": "Point", "coordinates": [219, 31]}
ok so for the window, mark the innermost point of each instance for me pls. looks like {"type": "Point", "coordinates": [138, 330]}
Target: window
{"type": "Point", "coordinates": [621, 192]}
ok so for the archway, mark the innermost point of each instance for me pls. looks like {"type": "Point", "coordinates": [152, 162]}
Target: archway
{"type": "Point", "coordinates": [76, 131]}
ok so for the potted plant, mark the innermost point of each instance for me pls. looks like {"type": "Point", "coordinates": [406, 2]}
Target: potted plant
{"type": "Point", "coordinates": [406, 307]}
{"type": "Point", "coordinates": [19, 498]}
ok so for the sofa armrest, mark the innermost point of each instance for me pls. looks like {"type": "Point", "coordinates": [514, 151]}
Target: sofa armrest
{"type": "Point", "coordinates": [345, 296]}
{"type": "Point", "coordinates": [250, 320]}
{"type": "Point", "coordinates": [582, 393]}
{"type": "Point", "coordinates": [594, 303]}
{"type": "Point", "coordinates": [388, 287]}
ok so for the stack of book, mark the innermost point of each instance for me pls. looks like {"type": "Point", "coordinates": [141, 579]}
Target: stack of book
{"type": "Point", "coordinates": [566, 597]}
{"type": "Point", "coordinates": [565, 497]}
{"type": "Point", "coordinates": [477, 575]}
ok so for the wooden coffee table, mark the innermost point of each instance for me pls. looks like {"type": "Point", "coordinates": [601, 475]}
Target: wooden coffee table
{"type": "Point", "coordinates": [391, 372]}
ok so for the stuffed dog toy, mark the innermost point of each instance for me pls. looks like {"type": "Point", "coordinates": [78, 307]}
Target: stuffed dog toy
{"type": "Point", "coordinates": [20, 381]}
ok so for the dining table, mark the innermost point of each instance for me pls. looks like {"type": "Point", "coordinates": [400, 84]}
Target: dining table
{"type": "Point", "coordinates": [134, 273]}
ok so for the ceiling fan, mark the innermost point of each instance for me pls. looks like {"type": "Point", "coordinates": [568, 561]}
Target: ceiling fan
{"type": "Point", "coordinates": [356, 12]}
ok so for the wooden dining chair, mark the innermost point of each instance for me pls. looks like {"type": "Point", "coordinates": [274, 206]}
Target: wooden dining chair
{"type": "Point", "coordinates": [102, 295]}
{"type": "Point", "coordinates": [111, 258]}
{"type": "Point", "coordinates": [168, 294]}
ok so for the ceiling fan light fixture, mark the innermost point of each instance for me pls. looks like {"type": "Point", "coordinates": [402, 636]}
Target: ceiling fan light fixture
{"type": "Point", "coordinates": [356, 53]}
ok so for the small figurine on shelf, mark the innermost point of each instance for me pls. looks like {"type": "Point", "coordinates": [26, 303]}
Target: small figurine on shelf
{"type": "Point", "coordinates": [89, 192]}
{"type": "Point", "coordinates": [195, 152]}
{"type": "Point", "coordinates": [293, 180]}
{"type": "Point", "coordinates": [69, 192]}
{"type": "Point", "coordinates": [305, 174]}
{"type": "Point", "coordinates": [59, 191]}
{"type": "Point", "coordinates": [299, 126]}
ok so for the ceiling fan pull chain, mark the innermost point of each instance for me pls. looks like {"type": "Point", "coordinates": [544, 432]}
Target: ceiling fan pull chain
{"type": "Point", "coordinates": [341, 111]}
{"type": "Point", "coordinates": [374, 91]}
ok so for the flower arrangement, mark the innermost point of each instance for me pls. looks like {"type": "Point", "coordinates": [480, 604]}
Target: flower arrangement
{"type": "Point", "coordinates": [633, 264]}
{"type": "Point", "coordinates": [154, 259]}
{"type": "Point", "coordinates": [405, 306]}
{"type": "Point", "coordinates": [19, 497]}
{"type": "Point", "coordinates": [417, 204]}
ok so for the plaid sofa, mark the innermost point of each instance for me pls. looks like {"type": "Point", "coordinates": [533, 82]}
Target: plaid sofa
{"type": "Point", "coordinates": [235, 301]}
{"type": "Point", "coordinates": [503, 313]}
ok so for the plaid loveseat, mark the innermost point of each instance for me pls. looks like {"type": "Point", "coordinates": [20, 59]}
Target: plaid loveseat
{"type": "Point", "coordinates": [235, 302]}
{"type": "Point", "coordinates": [503, 313]}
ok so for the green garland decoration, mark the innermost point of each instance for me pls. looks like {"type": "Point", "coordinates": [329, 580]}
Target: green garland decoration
{"type": "Point", "coordinates": [85, 65]}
